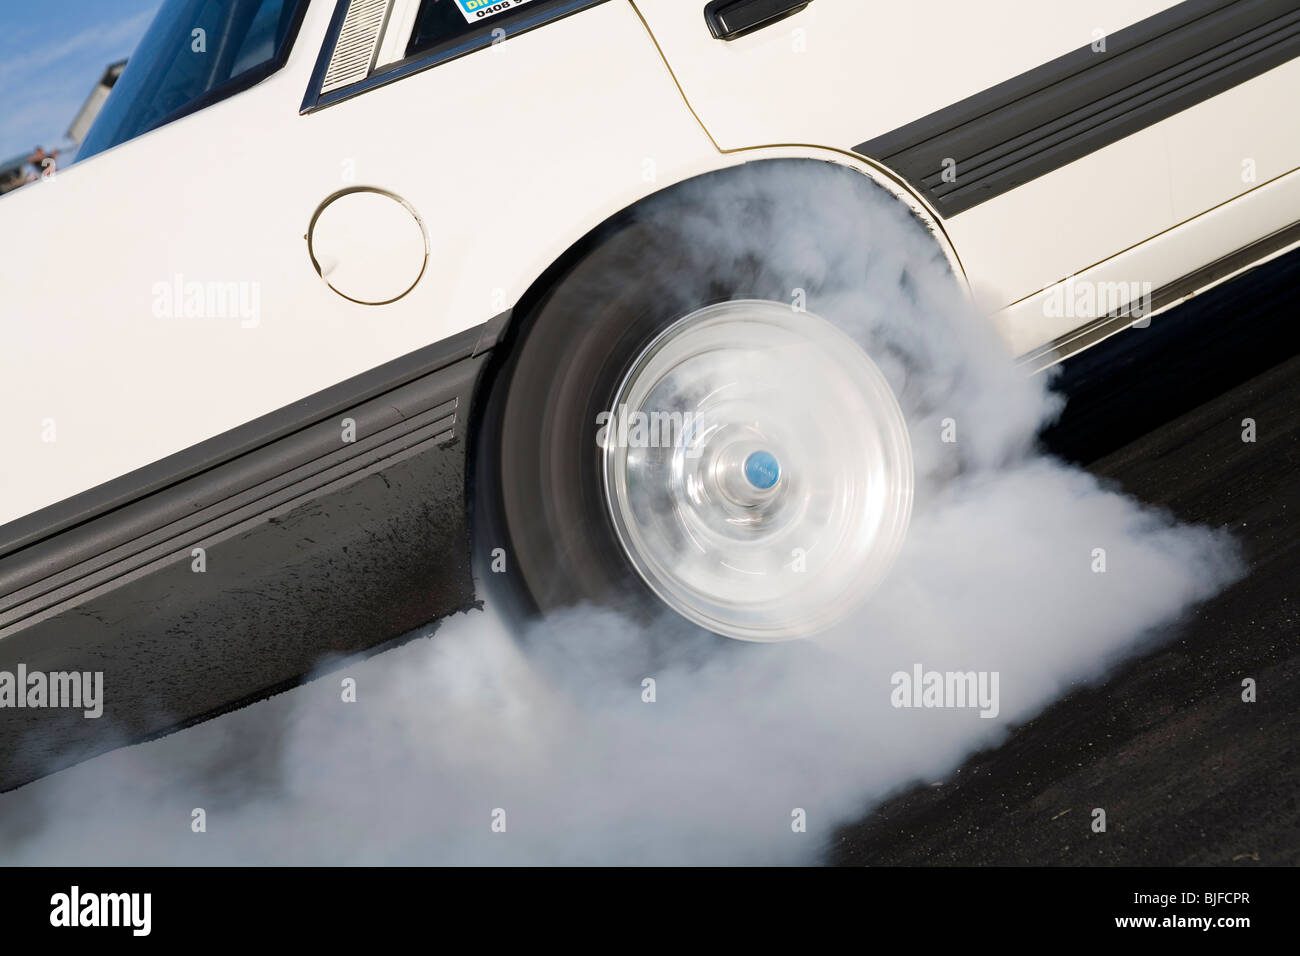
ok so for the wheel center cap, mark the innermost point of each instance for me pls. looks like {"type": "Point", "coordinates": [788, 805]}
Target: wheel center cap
{"type": "Point", "coordinates": [748, 474]}
{"type": "Point", "coordinates": [762, 470]}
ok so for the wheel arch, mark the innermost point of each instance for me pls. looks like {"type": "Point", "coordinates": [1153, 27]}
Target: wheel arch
{"type": "Point", "coordinates": [505, 330]}
{"type": "Point", "coordinates": [733, 162]}
{"type": "Point", "coordinates": [510, 329]}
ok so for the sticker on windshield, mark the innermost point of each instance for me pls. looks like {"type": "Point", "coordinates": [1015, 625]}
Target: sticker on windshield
{"type": "Point", "coordinates": [476, 10]}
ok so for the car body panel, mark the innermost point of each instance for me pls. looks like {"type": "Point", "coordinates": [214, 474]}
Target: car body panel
{"type": "Point", "coordinates": [1059, 225]}
{"type": "Point", "coordinates": [1038, 322]}
{"type": "Point", "coordinates": [503, 180]}
{"type": "Point", "coordinates": [844, 71]}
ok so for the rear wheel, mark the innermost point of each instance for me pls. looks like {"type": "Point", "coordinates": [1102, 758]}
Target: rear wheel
{"type": "Point", "coordinates": [670, 432]}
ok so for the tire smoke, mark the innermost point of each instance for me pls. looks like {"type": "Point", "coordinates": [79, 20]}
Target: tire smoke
{"type": "Point", "coordinates": [590, 741]}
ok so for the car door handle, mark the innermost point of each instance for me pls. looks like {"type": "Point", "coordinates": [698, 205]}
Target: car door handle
{"type": "Point", "coordinates": [728, 19]}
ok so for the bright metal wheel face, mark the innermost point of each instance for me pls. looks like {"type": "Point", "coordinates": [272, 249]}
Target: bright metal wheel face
{"type": "Point", "coordinates": [758, 471]}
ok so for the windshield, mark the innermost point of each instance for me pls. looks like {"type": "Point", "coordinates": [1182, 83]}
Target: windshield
{"type": "Point", "coordinates": [195, 53]}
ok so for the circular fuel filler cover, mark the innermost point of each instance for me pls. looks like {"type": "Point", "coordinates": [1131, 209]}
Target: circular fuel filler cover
{"type": "Point", "coordinates": [368, 245]}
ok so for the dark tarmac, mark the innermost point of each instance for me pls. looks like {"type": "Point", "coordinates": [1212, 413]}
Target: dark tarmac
{"type": "Point", "coordinates": [1186, 771]}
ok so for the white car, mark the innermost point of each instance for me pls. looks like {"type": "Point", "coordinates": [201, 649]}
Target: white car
{"type": "Point", "coordinates": [328, 277]}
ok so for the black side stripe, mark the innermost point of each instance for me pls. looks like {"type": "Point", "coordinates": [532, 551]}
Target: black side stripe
{"type": "Point", "coordinates": [241, 441]}
{"type": "Point", "coordinates": [296, 468]}
{"type": "Point", "coordinates": [1056, 113]}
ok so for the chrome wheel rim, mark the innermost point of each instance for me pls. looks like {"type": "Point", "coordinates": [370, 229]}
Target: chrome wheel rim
{"type": "Point", "coordinates": [757, 470]}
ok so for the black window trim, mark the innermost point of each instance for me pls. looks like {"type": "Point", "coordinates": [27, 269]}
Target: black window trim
{"type": "Point", "coordinates": [536, 14]}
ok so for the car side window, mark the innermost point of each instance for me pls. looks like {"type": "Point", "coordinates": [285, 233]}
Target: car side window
{"type": "Point", "coordinates": [374, 42]}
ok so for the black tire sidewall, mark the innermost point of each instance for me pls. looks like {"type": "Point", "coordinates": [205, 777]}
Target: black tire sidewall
{"type": "Point", "coordinates": [721, 238]}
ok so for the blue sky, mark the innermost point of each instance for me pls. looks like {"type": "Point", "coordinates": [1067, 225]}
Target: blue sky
{"type": "Point", "coordinates": [51, 53]}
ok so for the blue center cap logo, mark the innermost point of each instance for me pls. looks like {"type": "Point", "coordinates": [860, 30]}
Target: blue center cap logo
{"type": "Point", "coordinates": [762, 470]}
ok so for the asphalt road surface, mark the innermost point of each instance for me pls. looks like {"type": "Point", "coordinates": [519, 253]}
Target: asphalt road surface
{"type": "Point", "coordinates": [1186, 771]}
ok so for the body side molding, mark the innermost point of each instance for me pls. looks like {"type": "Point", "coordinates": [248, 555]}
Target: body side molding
{"type": "Point", "coordinates": [1167, 296]}
{"type": "Point", "coordinates": [1056, 113]}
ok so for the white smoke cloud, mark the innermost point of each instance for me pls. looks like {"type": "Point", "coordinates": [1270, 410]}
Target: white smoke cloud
{"type": "Point", "coordinates": [997, 575]}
